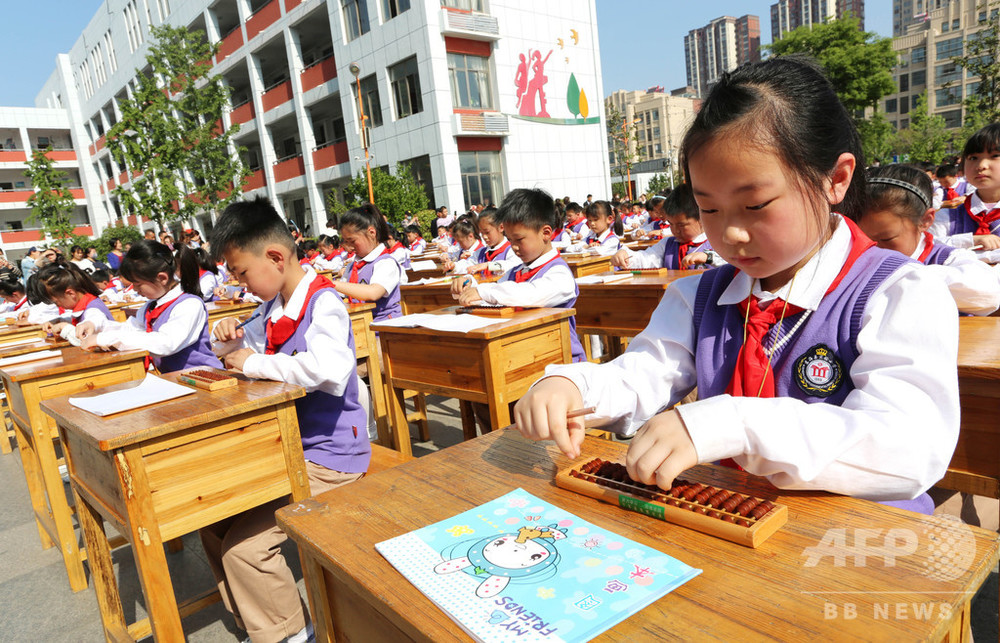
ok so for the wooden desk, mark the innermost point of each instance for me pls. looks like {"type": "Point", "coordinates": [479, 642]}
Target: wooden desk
{"type": "Point", "coordinates": [587, 264]}
{"type": "Point", "coordinates": [744, 594]}
{"type": "Point", "coordinates": [7, 433]}
{"type": "Point", "coordinates": [27, 385]}
{"type": "Point", "coordinates": [494, 365]}
{"type": "Point", "coordinates": [168, 469]}
{"type": "Point", "coordinates": [416, 275]}
{"type": "Point", "coordinates": [621, 309]}
{"type": "Point", "coordinates": [121, 312]}
{"type": "Point", "coordinates": [217, 311]}
{"type": "Point", "coordinates": [9, 334]}
{"type": "Point", "coordinates": [420, 298]}
{"type": "Point", "coordinates": [366, 349]}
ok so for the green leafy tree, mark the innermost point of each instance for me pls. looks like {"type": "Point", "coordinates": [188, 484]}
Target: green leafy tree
{"type": "Point", "coordinates": [927, 138]}
{"type": "Point", "coordinates": [52, 202]}
{"type": "Point", "coordinates": [878, 138]}
{"type": "Point", "coordinates": [981, 57]}
{"type": "Point", "coordinates": [622, 139]}
{"type": "Point", "coordinates": [394, 193]}
{"type": "Point", "coordinates": [858, 63]}
{"type": "Point", "coordinates": [104, 243]}
{"type": "Point", "coordinates": [170, 134]}
{"type": "Point", "coordinates": [659, 182]}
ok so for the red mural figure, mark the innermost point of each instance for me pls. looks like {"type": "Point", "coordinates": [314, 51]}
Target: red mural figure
{"type": "Point", "coordinates": [536, 86]}
{"type": "Point", "coordinates": [521, 77]}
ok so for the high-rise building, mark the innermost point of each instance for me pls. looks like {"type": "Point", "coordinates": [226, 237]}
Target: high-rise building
{"type": "Point", "coordinates": [660, 118]}
{"type": "Point", "coordinates": [721, 45]}
{"type": "Point", "coordinates": [913, 12]}
{"type": "Point", "coordinates": [457, 90]}
{"type": "Point", "coordinates": [788, 15]}
{"type": "Point", "coordinates": [926, 62]}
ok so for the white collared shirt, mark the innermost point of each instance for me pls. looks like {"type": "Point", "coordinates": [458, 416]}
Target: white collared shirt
{"type": "Point", "coordinates": [184, 327]}
{"type": "Point", "coordinates": [329, 363]}
{"type": "Point", "coordinates": [608, 243]}
{"type": "Point", "coordinates": [974, 284]}
{"type": "Point", "coordinates": [500, 265]}
{"type": "Point", "coordinates": [894, 435]}
{"type": "Point", "coordinates": [942, 222]}
{"type": "Point", "coordinates": [387, 274]}
{"type": "Point", "coordinates": [652, 257]}
{"type": "Point", "coordinates": [553, 288]}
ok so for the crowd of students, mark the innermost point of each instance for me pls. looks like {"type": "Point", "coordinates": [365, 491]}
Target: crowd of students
{"type": "Point", "coordinates": [820, 333]}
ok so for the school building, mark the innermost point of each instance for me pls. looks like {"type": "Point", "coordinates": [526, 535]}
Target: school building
{"type": "Point", "coordinates": [477, 97]}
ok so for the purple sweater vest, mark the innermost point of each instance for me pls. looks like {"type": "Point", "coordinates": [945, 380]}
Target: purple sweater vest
{"type": "Point", "coordinates": [959, 222]}
{"type": "Point", "coordinates": [482, 252]}
{"type": "Point", "coordinates": [334, 429]}
{"type": "Point", "coordinates": [197, 354]}
{"type": "Point", "coordinates": [97, 304]}
{"type": "Point", "coordinates": [827, 340]}
{"type": "Point", "coordinates": [388, 306]}
{"type": "Point", "coordinates": [939, 254]}
{"type": "Point", "coordinates": [574, 340]}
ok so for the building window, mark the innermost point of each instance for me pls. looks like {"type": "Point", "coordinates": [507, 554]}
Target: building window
{"type": "Point", "coordinates": [904, 104]}
{"type": "Point", "coordinates": [355, 18]}
{"type": "Point", "coordinates": [947, 73]}
{"type": "Point", "coordinates": [164, 8]}
{"type": "Point", "coordinates": [972, 88]}
{"type": "Point", "coordinates": [952, 118]}
{"type": "Point", "coordinates": [918, 54]}
{"type": "Point", "coordinates": [904, 82]}
{"type": "Point", "coordinates": [482, 178]}
{"type": "Point", "coordinates": [392, 8]}
{"type": "Point", "coordinates": [420, 170]}
{"type": "Point", "coordinates": [373, 104]}
{"type": "Point", "coordinates": [949, 48]}
{"type": "Point", "coordinates": [944, 27]}
{"type": "Point", "coordinates": [470, 81]}
{"type": "Point", "coordinates": [918, 78]}
{"type": "Point", "coordinates": [890, 106]}
{"type": "Point", "coordinates": [948, 96]}
{"type": "Point", "coordinates": [656, 114]}
{"type": "Point", "coordinates": [132, 26]}
{"type": "Point", "coordinates": [905, 123]}
{"type": "Point", "coordinates": [110, 46]}
{"type": "Point", "coordinates": [467, 5]}
{"type": "Point", "coordinates": [982, 17]}
{"type": "Point", "coordinates": [956, 24]}
{"type": "Point", "coordinates": [406, 87]}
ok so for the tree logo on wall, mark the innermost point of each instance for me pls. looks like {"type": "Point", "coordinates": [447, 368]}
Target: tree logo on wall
{"type": "Point", "coordinates": [576, 99]}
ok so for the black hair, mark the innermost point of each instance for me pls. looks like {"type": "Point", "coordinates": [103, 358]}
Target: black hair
{"type": "Point", "coordinates": [911, 200]}
{"type": "Point", "coordinates": [11, 288]}
{"type": "Point", "coordinates": [927, 166]}
{"type": "Point", "coordinates": [249, 225]}
{"type": "Point", "coordinates": [205, 261]}
{"type": "Point", "coordinates": [100, 275]}
{"type": "Point", "coordinates": [61, 275]}
{"type": "Point", "coordinates": [529, 207]}
{"type": "Point", "coordinates": [75, 247]}
{"type": "Point", "coordinates": [605, 209]}
{"type": "Point", "coordinates": [573, 206]}
{"type": "Point", "coordinates": [391, 233]}
{"type": "Point", "coordinates": [681, 201]}
{"type": "Point", "coordinates": [466, 227]}
{"type": "Point", "coordinates": [366, 216]}
{"type": "Point", "coordinates": [308, 245]}
{"type": "Point", "coordinates": [489, 215]}
{"type": "Point", "coordinates": [325, 239]}
{"type": "Point", "coordinates": [986, 139]}
{"type": "Point", "coordinates": [35, 291]}
{"type": "Point", "coordinates": [948, 169]}
{"type": "Point", "coordinates": [787, 106]}
{"type": "Point", "coordinates": [146, 259]}
{"type": "Point", "coordinates": [415, 229]}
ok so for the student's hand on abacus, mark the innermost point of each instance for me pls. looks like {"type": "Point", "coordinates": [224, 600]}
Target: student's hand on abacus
{"type": "Point", "coordinates": [469, 296]}
{"type": "Point", "coordinates": [661, 450]}
{"type": "Point", "coordinates": [237, 358]}
{"type": "Point", "coordinates": [479, 267]}
{"type": "Point", "coordinates": [225, 330]}
{"type": "Point", "coordinates": [694, 259]}
{"type": "Point", "coordinates": [541, 414]}
{"type": "Point", "coordinates": [49, 328]}
{"type": "Point", "coordinates": [448, 265]}
{"type": "Point", "coordinates": [86, 330]}
{"type": "Point", "coordinates": [459, 285]}
{"type": "Point", "coordinates": [620, 259]}
{"type": "Point", "coordinates": [221, 292]}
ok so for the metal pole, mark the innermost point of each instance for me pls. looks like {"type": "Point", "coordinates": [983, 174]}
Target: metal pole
{"type": "Point", "coordinates": [364, 141]}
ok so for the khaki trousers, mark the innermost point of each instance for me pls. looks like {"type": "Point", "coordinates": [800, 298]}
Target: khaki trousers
{"type": "Point", "coordinates": [256, 584]}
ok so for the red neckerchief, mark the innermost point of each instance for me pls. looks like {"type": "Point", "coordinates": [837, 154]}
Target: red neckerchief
{"type": "Point", "coordinates": [202, 272]}
{"type": "Point", "coordinates": [304, 261]}
{"type": "Point", "coordinates": [491, 255]}
{"type": "Point", "coordinates": [557, 233]}
{"type": "Point", "coordinates": [21, 303]}
{"type": "Point", "coordinates": [928, 246]}
{"type": "Point", "coordinates": [331, 256]}
{"type": "Point", "coordinates": [397, 246]}
{"type": "Point", "coordinates": [152, 314]}
{"type": "Point", "coordinates": [360, 263]}
{"type": "Point", "coordinates": [80, 306]}
{"type": "Point", "coordinates": [661, 224]}
{"type": "Point", "coordinates": [682, 250]}
{"type": "Point", "coordinates": [521, 276]}
{"type": "Point", "coordinates": [577, 222]}
{"type": "Point", "coordinates": [280, 332]}
{"type": "Point", "coordinates": [984, 219]}
{"type": "Point", "coordinates": [415, 245]}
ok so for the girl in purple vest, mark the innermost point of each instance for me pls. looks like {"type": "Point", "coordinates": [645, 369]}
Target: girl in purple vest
{"type": "Point", "coordinates": [899, 213]}
{"type": "Point", "coordinates": [466, 233]}
{"type": "Point", "coordinates": [77, 296]}
{"type": "Point", "coordinates": [976, 220]}
{"type": "Point", "coordinates": [605, 230]}
{"type": "Point", "coordinates": [821, 361]}
{"type": "Point", "coordinates": [173, 324]}
{"type": "Point", "coordinates": [373, 275]}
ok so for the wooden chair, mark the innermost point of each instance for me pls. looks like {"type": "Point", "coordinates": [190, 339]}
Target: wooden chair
{"type": "Point", "coordinates": [7, 435]}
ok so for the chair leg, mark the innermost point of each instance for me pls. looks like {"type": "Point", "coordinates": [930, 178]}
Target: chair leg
{"type": "Point", "coordinates": [468, 420]}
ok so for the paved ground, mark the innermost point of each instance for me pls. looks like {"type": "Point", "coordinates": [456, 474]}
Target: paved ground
{"type": "Point", "coordinates": [39, 606]}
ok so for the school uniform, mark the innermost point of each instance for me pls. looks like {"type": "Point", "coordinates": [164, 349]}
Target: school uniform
{"type": "Point", "coordinates": [561, 238]}
{"type": "Point", "coordinates": [890, 419]}
{"type": "Point", "coordinates": [418, 246]}
{"type": "Point", "coordinates": [333, 261]}
{"type": "Point", "coordinates": [546, 282]}
{"type": "Point", "coordinates": [41, 313]}
{"type": "Point", "coordinates": [402, 256]}
{"type": "Point", "coordinates": [208, 281]}
{"type": "Point", "coordinates": [974, 284]}
{"type": "Point", "coordinates": [656, 225]}
{"type": "Point", "coordinates": [112, 295]}
{"type": "Point", "coordinates": [499, 258]}
{"type": "Point", "coordinates": [454, 251]}
{"type": "Point", "coordinates": [378, 267]}
{"type": "Point", "coordinates": [306, 341]}
{"type": "Point", "coordinates": [173, 328]}
{"type": "Point", "coordinates": [578, 226]}
{"type": "Point", "coordinates": [942, 194]}
{"type": "Point", "coordinates": [606, 244]}
{"type": "Point", "coordinates": [668, 253]}
{"type": "Point", "coordinates": [956, 226]}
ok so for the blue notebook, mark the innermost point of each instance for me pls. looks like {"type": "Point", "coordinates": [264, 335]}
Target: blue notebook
{"type": "Point", "coordinates": [520, 569]}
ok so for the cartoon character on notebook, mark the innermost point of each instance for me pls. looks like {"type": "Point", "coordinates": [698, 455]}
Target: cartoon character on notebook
{"type": "Point", "coordinates": [526, 554]}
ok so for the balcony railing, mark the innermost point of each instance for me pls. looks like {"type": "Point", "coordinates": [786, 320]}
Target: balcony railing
{"type": "Point", "coordinates": [242, 113]}
{"type": "Point", "coordinates": [263, 18]}
{"type": "Point", "coordinates": [230, 43]}
{"type": "Point", "coordinates": [469, 24]}
{"type": "Point", "coordinates": [481, 124]}
{"type": "Point", "coordinates": [277, 94]}
{"type": "Point", "coordinates": [330, 154]}
{"type": "Point", "coordinates": [255, 181]}
{"type": "Point", "coordinates": [318, 73]}
{"type": "Point", "coordinates": [289, 168]}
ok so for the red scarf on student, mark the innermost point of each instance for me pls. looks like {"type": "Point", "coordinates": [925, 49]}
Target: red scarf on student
{"type": "Point", "coordinates": [21, 303]}
{"type": "Point", "coordinates": [331, 256]}
{"type": "Point", "coordinates": [577, 222]}
{"type": "Point", "coordinates": [202, 272]}
{"type": "Point", "coordinates": [491, 255]}
{"type": "Point", "coordinates": [984, 219]}
{"type": "Point", "coordinates": [360, 263]}
{"type": "Point", "coordinates": [928, 246]}
{"type": "Point", "coordinates": [415, 245]}
{"type": "Point", "coordinates": [950, 194]}
{"type": "Point", "coordinates": [280, 332]}
{"type": "Point", "coordinates": [80, 306]}
{"type": "Point", "coordinates": [522, 276]}
{"type": "Point", "coordinates": [682, 250]}
{"type": "Point", "coordinates": [397, 246]}
{"type": "Point", "coordinates": [153, 313]}
{"type": "Point", "coordinates": [304, 261]}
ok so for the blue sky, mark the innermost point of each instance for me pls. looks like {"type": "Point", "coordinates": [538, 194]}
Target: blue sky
{"type": "Point", "coordinates": [642, 41]}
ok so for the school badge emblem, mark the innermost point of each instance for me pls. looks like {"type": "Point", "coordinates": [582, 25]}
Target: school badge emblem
{"type": "Point", "coordinates": [819, 372]}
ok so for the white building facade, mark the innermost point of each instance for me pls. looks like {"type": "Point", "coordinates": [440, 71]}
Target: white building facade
{"type": "Point", "coordinates": [477, 96]}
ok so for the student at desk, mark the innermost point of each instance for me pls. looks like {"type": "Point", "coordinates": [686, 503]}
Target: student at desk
{"type": "Point", "coordinates": [38, 309]}
{"type": "Point", "coordinates": [605, 233]}
{"type": "Point", "coordinates": [496, 256]}
{"type": "Point", "coordinates": [544, 279]}
{"type": "Point", "coordinates": [303, 337]}
{"type": "Point", "coordinates": [374, 275]}
{"type": "Point", "coordinates": [844, 380]}
{"type": "Point", "coordinates": [173, 325]}
{"type": "Point", "coordinates": [76, 294]}
{"type": "Point", "coordinates": [14, 297]}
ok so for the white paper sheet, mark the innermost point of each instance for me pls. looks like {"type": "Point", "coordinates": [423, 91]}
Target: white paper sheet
{"type": "Point", "coordinates": [431, 281]}
{"type": "Point", "coordinates": [29, 357]}
{"type": "Point", "coordinates": [417, 266]}
{"type": "Point", "coordinates": [21, 342]}
{"type": "Point", "coordinates": [608, 279]}
{"type": "Point", "coordinates": [152, 390]}
{"type": "Point", "coordinates": [459, 323]}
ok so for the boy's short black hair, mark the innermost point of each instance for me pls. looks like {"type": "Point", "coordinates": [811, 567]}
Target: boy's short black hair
{"type": "Point", "coordinates": [533, 208]}
{"type": "Point", "coordinates": [308, 244]}
{"type": "Point", "coordinates": [573, 206]}
{"type": "Point", "coordinates": [985, 140]}
{"type": "Point", "coordinates": [415, 229]}
{"type": "Point", "coordinates": [948, 169]}
{"type": "Point", "coordinates": [249, 226]}
{"type": "Point", "coordinates": [100, 275]}
{"type": "Point", "coordinates": [681, 201]}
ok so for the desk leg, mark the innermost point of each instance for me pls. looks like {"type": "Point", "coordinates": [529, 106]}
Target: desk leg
{"type": "Point", "coordinates": [61, 514]}
{"type": "Point", "coordinates": [494, 378]}
{"type": "Point", "coordinates": [400, 427]}
{"type": "Point", "coordinates": [379, 402]}
{"type": "Point", "coordinates": [319, 598]}
{"type": "Point", "coordinates": [616, 346]}
{"type": "Point", "coordinates": [147, 548]}
{"type": "Point", "coordinates": [102, 569]}
{"type": "Point", "coordinates": [35, 482]}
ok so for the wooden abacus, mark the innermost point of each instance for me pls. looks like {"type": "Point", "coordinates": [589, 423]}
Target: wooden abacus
{"type": "Point", "coordinates": [486, 310]}
{"type": "Point", "coordinates": [649, 272]}
{"type": "Point", "coordinates": [208, 378]}
{"type": "Point", "coordinates": [742, 519]}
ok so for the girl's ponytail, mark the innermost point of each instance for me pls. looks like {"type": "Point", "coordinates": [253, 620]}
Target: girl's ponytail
{"type": "Point", "coordinates": [188, 270]}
